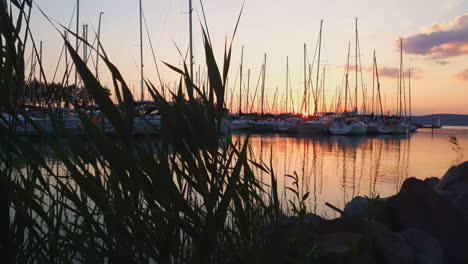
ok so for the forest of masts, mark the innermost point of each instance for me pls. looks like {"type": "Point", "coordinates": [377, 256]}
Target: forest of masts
{"type": "Point", "coordinates": [247, 94]}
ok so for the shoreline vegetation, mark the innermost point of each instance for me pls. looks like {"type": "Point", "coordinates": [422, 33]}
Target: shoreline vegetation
{"type": "Point", "coordinates": [192, 197]}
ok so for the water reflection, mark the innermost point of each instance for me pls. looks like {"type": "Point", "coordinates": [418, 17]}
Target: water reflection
{"type": "Point", "coordinates": [332, 169]}
{"type": "Point", "coordinates": [335, 169]}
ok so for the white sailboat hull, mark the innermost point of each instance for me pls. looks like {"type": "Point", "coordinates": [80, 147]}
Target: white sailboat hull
{"type": "Point", "coordinates": [358, 129]}
{"type": "Point", "coordinates": [384, 129]}
{"type": "Point", "coordinates": [340, 129]}
{"type": "Point", "coordinates": [314, 127]}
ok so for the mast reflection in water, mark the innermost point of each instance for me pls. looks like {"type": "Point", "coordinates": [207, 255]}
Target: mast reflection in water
{"type": "Point", "coordinates": [335, 169]}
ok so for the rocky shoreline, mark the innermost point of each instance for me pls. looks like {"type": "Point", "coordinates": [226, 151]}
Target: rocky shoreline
{"type": "Point", "coordinates": [425, 223]}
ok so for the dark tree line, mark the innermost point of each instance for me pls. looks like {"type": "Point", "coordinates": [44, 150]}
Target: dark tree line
{"type": "Point", "coordinates": [56, 94]}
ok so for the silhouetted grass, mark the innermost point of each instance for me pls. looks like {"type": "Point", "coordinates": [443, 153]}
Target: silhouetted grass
{"type": "Point", "coordinates": [189, 197]}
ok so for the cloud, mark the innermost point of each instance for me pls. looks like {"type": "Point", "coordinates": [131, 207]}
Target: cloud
{"type": "Point", "coordinates": [386, 71]}
{"type": "Point", "coordinates": [450, 5]}
{"type": "Point", "coordinates": [440, 41]}
{"type": "Point", "coordinates": [441, 62]}
{"type": "Point", "coordinates": [463, 75]}
{"type": "Point", "coordinates": [352, 68]}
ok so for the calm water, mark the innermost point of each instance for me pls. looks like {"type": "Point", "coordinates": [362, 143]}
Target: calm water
{"type": "Point", "coordinates": [336, 168]}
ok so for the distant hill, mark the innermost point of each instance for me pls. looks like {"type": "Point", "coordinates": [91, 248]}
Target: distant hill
{"type": "Point", "coordinates": [445, 119]}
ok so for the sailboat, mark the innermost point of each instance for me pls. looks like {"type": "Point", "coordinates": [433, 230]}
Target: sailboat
{"type": "Point", "coordinates": [382, 127]}
{"type": "Point", "coordinates": [397, 124]}
{"type": "Point", "coordinates": [412, 126]}
{"type": "Point", "coordinates": [319, 124]}
{"type": "Point", "coordinates": [263, 125]}
{"type": "Point", "coordinates": [340, 126]}
{"type": "Point", "coordinates": [359, 128]}
{"type": "Point", "coordinates": [24, 127]}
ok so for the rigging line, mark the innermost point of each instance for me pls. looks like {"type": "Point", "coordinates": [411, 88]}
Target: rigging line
{"type": "Point", "coordinates": [315, 94]}
{"type": "Point", "coordinates": [63, 47]}
{"type": "Point", "coordinates": [152, 51]}
{"type": "Point", "coordinates": [343, 80]}
{"type": "Point", "coordinates": [41, 69]}
{"type": "Point", "coordinates": [256, 89]}
{"type": "Point", "coordinates": [233, 89]}
{"type": "Point", "coordinates": [364, 88]}
{"type": "Point", "coordinates": [71, 64]}
{"type": "Point", "coordinates": [290, 92]}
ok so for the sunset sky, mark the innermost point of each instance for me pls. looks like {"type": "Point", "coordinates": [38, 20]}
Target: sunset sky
{"type": "Point", "coordinates": [435, 36]}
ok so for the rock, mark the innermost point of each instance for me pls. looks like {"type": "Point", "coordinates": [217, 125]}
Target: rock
{"type": "Point", "coordinates": [454, 176]}
{"type": "Point", "coordinates": [446, 194]}
{"type": "Point", "coordinates": [461, 202]}
{"type": "Point", "coordinates": [339, 247]}
{"type": "Point", "coordinates": [342, 225]}
{"type": "Point", "coordinates": [432, 182]}
{"type": "Point", "coordinates": [286, 239]}
{"type": "Point", "coordinates": [338, 243]}
{"type": "Point", "coordinates": [277, 238]}
{"type": "Point", "coordinates": [313, 219]}
{"type": "Point", "coordinates": [357, 207]}
{"type": "Point", "coordinates": [389, 246]}
{"type": "Point", "coordinates": [426, 249]}
{"type": "Point", "coordinates": [454, 185]}
{"type": "Point", "coordinates": [419, 206]}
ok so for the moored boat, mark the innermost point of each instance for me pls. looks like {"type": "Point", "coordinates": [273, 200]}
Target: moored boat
{"type": "Point", "coordinates": [314, 127]}
{"type": "Point", "coordinates": [340, 128]}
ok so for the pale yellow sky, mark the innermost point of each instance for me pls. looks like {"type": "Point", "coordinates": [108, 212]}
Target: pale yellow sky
{"type": "Point", "coordinates": [280, 28]}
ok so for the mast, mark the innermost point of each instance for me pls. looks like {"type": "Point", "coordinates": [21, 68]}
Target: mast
{"type": "Point", "coordinates": [85, 58]}
{"type": "Point", "coordinates": [240, 83]}
{"type": "Point", "coordinates": [263, 84]}
{"type": "Point", "coordinates": [318, 65]}
{"type": "Point", "coordinates": [76, 46]}
{"type": "Point", "coordinates": [409, 88]}
{"type": "Point", "coordinates": [373, 83]}
{"type": "Point", "coordinates": [324, 104]}
{"type": "Point", "coordinates": [356, 69]}
{"type": "Point", "coordinates": [347, 79]}
{"type": "Point", "coordinates": [67, 74]}
{"type": "Point", "coordinates": [400, 80]}
{"type": "Point", "coordinates": [141, 52]}
{"type": "Point", "coordinates": [191, 39]}
{"type": "Point", "coordinates": [40, 74]}
{"type": "Point", "coordinates": [378, 84]}
{"type": "Point", "coordinates": [98, 46]}
{"type": "Point", "coordinates": [304, 102]}
{"type": "Point", "coordinates": [287, 82]}
{"type": "Point", "coordinates": [248, 89]}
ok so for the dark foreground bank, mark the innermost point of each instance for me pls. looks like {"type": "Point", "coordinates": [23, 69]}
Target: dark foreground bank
{"type": "Point", "coordinates": [426, 222]}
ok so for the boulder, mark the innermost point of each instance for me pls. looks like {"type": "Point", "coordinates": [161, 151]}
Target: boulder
{"type": "Point", "coordinates": [454, 176]}
{"type": "Point", "coordinates": [419, 206]}
{"type": "Point", "coordinates": [360, 206]}
{"type": "Point", "coordinates": [285, 239]}
{"type": "Point", "coordinates": [390, 247]}
{"type": "Point", "coordinates": [339, 247]}
{"type": "Point", "coordinates": [432, 182]}
{"type": "Point", "coordinates": [357, 207]}
{"type": "Point", "coordinates": [426, 249]}
{"type": "Point", "coordinates": [342, 225]}
{"type": "Point", "coordinates": [313, 219]}
{"type": "Point", "coordinates": [461, 202]}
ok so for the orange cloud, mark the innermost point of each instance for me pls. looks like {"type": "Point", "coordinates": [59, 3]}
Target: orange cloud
{"type": "Point", "coordinates": [440, 41]}
{"type": "Point", "coordinates": [386, 71]}
{"type": "Point", "coordinates": [463, 75]}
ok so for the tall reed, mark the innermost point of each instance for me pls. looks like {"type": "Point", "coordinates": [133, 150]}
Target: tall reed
{"type": "Point", "coordinates": [190, 196]}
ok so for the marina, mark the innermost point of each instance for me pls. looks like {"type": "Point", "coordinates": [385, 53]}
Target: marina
{"type": "Point", "coordinates": [233, 132]}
